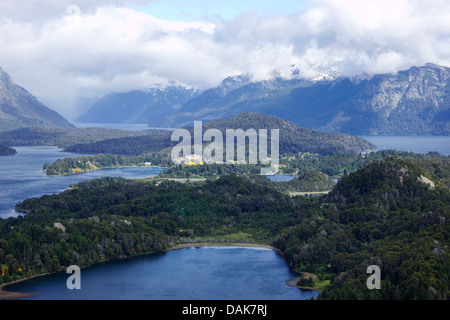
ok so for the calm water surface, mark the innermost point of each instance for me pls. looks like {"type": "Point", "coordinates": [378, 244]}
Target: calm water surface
{"type": "Point", "coordinates": [22, 177]}
{"type": "Point", "coordinates": [120, 126]}
{"type": "Point", "coordinates": [191, 274]}
{"type": "Point", "coordinates": [417, 144]}
{"type": "Point", "coordinates": [210, 273]}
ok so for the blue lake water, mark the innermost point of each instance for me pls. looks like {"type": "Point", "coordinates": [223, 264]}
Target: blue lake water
{"type": "Point", "coordinates": [281, 177]}
{"type": "Point", "coordinates": [120, 126]}
{"type": "Point", "coordinates": [22, 177]}
{"type": "Point", "coordinates": [191, 274]}
{"type": "Point", "coordinates": [417, 144]}
{"type": "Point", "coordinates": [208, 273]}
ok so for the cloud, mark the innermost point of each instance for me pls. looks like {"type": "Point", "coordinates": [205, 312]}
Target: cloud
{"type": "Point", "coordinates": [40, 12]}
{"type": "Point", "coordinates": [61, 56]}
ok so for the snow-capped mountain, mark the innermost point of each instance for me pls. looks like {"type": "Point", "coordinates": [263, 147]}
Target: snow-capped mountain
{"type": "Point", "coordinates": [140, 106]}
{"type": "Point", "coordinates": [413, 101]}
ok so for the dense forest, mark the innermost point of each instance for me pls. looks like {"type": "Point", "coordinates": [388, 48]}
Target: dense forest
{"type": "Point", "coordinates": [293, 139]}
{"type": "Point", "coordinates": [338, 164]}
{"type": "Point", "coordinates": [209, 170]}
{"type": "Point", "coordinates": [113, 218]}
{"type": "Point", "coordinates": [388, 214]}
{"type": "Point", "coordinates": [307, 181]}
{"type": "Point", "coordinates": [131, 146]}
{"type": "Point", "coordinates": [64, 138]}
{"type": "Point", "coordinates": [335, 165]}
{"type": "Point", "coordinates": [310, 180]}
{"type": "Point", "coordinates": [88, 163]}
{"type": "Point", "coordinates": [394, 213]}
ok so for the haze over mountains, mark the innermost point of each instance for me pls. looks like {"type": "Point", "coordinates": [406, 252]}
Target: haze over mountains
{"type": "Point", "coordinates": [413, 101]}
{"type": "Point", "coordinates": [20, 109]}
{"type": "Point", "coordinates": [135, 106]}
{"type": "Point", "coordinates": [410, 102]}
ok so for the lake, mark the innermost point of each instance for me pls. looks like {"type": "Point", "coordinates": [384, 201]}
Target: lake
{"type": "Point", "coordinates": [207, 273]}
{"type": "Point", "coordinates": [22, 177]}
{"type": "Point", "coordinates": [417, 144]}
{"type": "Point", "coordinates": [225, 273]}
{"type": "Point", "coordinates": [120, 126]}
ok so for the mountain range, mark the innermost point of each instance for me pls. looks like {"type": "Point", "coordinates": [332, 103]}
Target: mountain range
{"type": "Point", "coordinates": [413, 101]}
{"type": "Point", "coordinates": [140, 106]}
{"type": "Point", "coordinates": [20, 109]}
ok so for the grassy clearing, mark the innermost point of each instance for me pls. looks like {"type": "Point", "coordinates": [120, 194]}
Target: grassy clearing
{"type": "Point", "coordinates": [320, 284]}
{"type": "Point", "coordinates": [232, 237]}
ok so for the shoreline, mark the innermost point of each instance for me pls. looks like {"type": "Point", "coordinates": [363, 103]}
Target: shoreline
{"type": "Point", "coordinates": [306, 193]}
{"type": "Point", "coordinates": [220, 244]}
{"type": "Point", "coordinates": [293, 283]}
{"type": "Point", "coordinates": [99, 168]}
{"type": "Point", "coordinates": [11, 295]}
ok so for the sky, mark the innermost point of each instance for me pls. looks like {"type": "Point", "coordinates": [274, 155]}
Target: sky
{"type": "Point", "coordinates": [201, 10]}
{"type": "Point", "coordinates": [68, 53]}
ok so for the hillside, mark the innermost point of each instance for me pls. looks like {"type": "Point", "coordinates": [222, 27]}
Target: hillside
{"type": "Point", "coordinates": [293, 139]}
{"type": "Point", "coordinates": [19, 108]}
{"type": "Point", "coordinates": [309, 181]}
{"type": "Point", "coordinates": [139, 106]}
{"type": "Point", "coordinates": [394, 214]}
{"type": "Point", "coordinates": [64, 138]}
{"type": "Point", "coordinates": [111, 218]}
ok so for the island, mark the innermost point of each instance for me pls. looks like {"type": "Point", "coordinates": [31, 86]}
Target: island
{"type": "Point", "coordinates": [7, 151]}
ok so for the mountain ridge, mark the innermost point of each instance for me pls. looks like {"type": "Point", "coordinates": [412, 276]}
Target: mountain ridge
{"type": "Point", "coordinates": [19, 108]}
{"type": "Point", "coordinates": [292, 138]}
{"type": "Point", "coordinates": [139, 106]}
{"type": "Point", "coordinates": [415, 101]}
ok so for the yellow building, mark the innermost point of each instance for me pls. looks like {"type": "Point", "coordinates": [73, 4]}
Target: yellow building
{"type": "Point", "coordinates": [193, 159]}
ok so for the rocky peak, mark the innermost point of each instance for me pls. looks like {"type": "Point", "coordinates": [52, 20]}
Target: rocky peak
{"type": "Point", "coordinates": [234, 82]}
{"type": "Point", "coordinates": [19, 108]}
